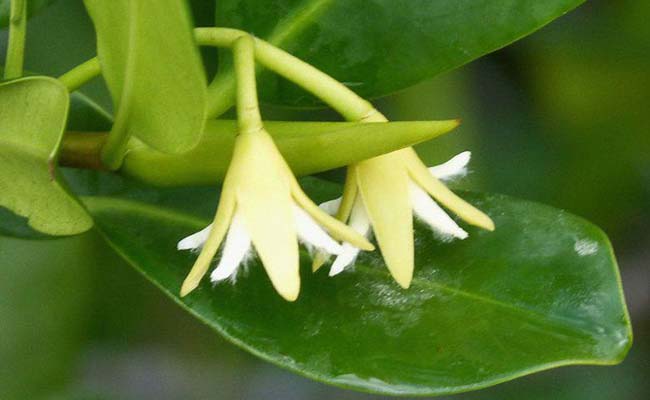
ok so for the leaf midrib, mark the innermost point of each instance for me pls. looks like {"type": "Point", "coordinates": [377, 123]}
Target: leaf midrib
{"type": "Point", "coordinates": [530, 313]}
{"type": "Point", "coordinates": [285, 30]}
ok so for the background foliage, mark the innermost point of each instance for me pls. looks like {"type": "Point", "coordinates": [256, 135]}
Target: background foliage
{"type": "Point", "coordinates": [568, 103]}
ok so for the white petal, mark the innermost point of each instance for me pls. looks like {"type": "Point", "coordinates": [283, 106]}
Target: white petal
{"type": "Point", "coordinates": [430, 212]}
{"type": "Point", "coordinates": [360, 222]}
{"type": "Point", "coordinates": [347, 257]}
{"type": "Point", "coordinates": [235, 249]}
{"type": "Point", "coordinates": [332, 206]}
{"type": "Point", "coordinates": [455, 167]}
{"type": "Point", "coordinates": [309, 232]}
{"type": "Point", "coordinates": [195, 240]}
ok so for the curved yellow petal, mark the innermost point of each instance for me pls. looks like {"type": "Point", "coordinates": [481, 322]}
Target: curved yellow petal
{"type": "Point", "coordinates": [441, 193]}
{"type": "Point", "coordinates": [343, 213]}
{"type": "Point", "coordinates": [219, 228]}
{"type": "Point", "coordinates": [350, 191]}
{"type": "Point", "coordinates": [383, 185]}
{"type": "Point", "coordinates": [336, 228]}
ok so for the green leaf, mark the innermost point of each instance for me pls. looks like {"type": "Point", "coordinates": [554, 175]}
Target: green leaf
{"type": "Point", "coordinates": [33, 7]}
{"type": "Point", "coordinates": [541, 291]}
{"type": "Point", "coordinates": [86, 115]}
{"type": "Point", "coordinates": [383, 46]}
{"type": "Point", "coordinates": [152, 69]}
{"type": "Point", "coordinates": [329, 145]}
{"type": "Point", "coordinates": [32, 119]}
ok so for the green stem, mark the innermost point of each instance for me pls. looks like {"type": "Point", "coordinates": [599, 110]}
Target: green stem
{"type": "Point", "coordinates": [82, 150]}
{"type": "Point", "coordinates": [16, 46]}
{"type": "Point", "coordinates": [116, 145]}
{"type": "Point", "coordinates": [338, 96]}
{"type": "Point", "coordinates": [221, 94]}
{"type": "Point", "coordinates": [81, 74]}
{"type": "Point", "coordinates": [248, 112]}
{"type": "Point", "coordinates": [329, 90]}
{"type": "Point", "coordinates": [332, 92]}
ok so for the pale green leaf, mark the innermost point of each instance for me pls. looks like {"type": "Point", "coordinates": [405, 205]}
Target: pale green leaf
{"type": "Point", "coordinates": [153, 70]}
{"type": "Point", "coordinates": [33, 114]}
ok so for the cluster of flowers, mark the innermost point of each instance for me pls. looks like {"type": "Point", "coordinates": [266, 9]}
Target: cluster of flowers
{"type": "Point", "coordinates": [263, 207]}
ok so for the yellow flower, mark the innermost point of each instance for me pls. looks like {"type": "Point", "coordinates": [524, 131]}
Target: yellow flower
{"type": "Point", "coordinates": [263, 205]}
{"type": "Point", "coordinates": [384, 192]}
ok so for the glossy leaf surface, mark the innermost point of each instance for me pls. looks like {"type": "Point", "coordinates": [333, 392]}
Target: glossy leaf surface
{"type": "Point", "coordinates": [308, 147]}
{"type": "Point", "coordinates": [152, 69]}
{"type": "Point", "coordinates": [383, 46]}
{"type": "Point", "coordinates": [539, 292]}
{"type": "Point", "coordinates": [33, 114]}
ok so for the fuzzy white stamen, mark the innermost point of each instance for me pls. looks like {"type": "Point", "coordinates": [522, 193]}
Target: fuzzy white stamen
{"type": "Point", "coordinates": [425, 208]}
{"type": "Point", "coordinates": [455, 167]}
{"type": "Point", "coordinates": [196, 240]}
{"type": "Point", "coordinates": [360, 222]}
{"type": "Point", "coordinates": [310, 233]}
{"type": "Point", "coordinates": [235, 249]}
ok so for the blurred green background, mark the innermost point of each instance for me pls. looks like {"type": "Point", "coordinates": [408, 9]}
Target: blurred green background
{"type": "Point", "coordinates": [560, 117]}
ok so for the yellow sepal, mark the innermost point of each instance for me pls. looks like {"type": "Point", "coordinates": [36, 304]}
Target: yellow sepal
{"type": "Point", "coordinates": [219, 228]}
{"type": "Point", "coordinates": [441, 193]}
{"type": "Point", "coordinates": [336, 228]}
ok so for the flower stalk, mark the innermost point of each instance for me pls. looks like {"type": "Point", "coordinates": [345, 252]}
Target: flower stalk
{"type": "Point", "coordinates": [81, 74]}
{"type": "Point", "coordinates": [16, 47]}
{"type": "Point", "coordinates": [332, 92]}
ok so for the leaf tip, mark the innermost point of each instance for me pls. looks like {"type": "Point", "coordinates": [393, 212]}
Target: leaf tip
{"type": "Point", "coordinates": [439, 128]}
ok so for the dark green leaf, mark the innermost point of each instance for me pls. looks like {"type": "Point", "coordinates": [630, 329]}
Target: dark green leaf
{"type": "Point", "coordinates": [383, 46]}
{"type": "Point", "coordinates": [541, 291]}
{"type": "Point", "coordinates": [152, 69]}
{"type": "Point", "coordinates": [86, 115]}
{"type": "Point", "coordinates": [328, 144]}
{"type": "Point", "coordinates": [33, 6]}
{"type": "Point", "coordinates": [33, 116]}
